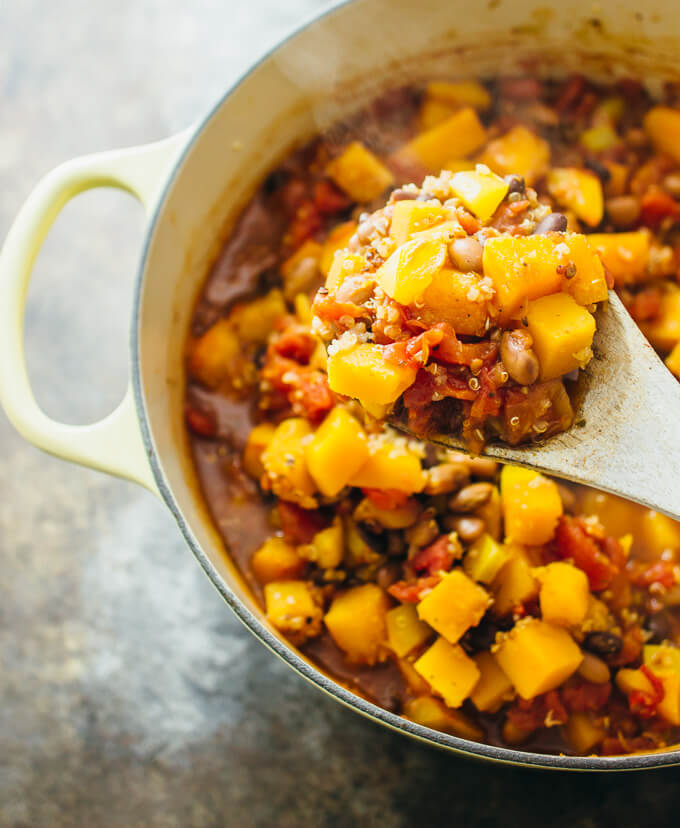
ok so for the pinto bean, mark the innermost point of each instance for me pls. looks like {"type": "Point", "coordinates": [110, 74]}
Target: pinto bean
{"type": "Point", "coordinates": [552, 223]}
{"type": "Point", "coordinates": [482, 466]}
{"type": "Point", "coordinates": [471, 497]}
{"type": "Point", "coordinates": [468, 528]}
{"type": "Point", "coordinates": [518, 357]}
{"type": "Point", "coordinates": [623, 210]}
{"type": "Point", "coordinates": [404, 194]}
{"type": "Point", "coordinates": [466, 254]}
{"type": "Point", "coordinates": [594, 669]}
{"type": "Point", "coordinates": [355, 290]}
{"type": "Point", "coordinates": [445, 478]}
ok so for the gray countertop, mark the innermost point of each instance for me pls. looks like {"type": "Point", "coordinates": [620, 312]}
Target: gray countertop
{"type": "Point", "coordinates": [129, 694]}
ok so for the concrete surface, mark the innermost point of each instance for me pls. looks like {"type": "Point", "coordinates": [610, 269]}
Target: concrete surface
{"type": "Point", "coordinates": [129, 694]}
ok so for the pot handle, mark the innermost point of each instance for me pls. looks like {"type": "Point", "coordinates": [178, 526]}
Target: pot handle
{"type": "Point", "coordinates": [114, 444]}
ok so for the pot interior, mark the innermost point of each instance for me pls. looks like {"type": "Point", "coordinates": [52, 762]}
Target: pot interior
{"type": "Point", "coordinates": [322, 73]}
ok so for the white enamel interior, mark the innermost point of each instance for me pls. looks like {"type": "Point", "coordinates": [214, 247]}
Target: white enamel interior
{"type": "Point", "coordinates": [317, 75]}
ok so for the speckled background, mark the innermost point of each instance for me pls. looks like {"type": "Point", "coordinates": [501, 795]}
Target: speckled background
{"type": "Point", "coordinates": [129, 694]}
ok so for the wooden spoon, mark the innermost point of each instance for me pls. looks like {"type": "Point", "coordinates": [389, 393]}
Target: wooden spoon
{"type": "Point", "coordinates": [626, 436]}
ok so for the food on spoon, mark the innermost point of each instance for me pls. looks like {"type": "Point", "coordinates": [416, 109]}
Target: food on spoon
{"type": "Point", "coordinates": [471, 296]}
{"type": "Point", "coordinates": [492, 604]}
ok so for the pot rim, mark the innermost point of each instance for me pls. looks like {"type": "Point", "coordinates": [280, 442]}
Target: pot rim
{"type": "Point", "coordinates": [464, 747]}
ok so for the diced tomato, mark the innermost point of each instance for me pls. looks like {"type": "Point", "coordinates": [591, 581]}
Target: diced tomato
{"type": "Point", "coordinates": [386, 498]}
{"type": "Point", "coordinates": [200, 422]}
{"type": "Point", "coordinates": [311, 395]}
{"type": "Point", "coordinates": [295, 343]}
{"type": "Point", "coordinates": [468, 222]}
{"type": "Point", "coordinates": [328, 198]}
{"type": "Point", "coordinates": [488, 400]}
{"type": "Point", "coordinates": [574, 542]}
{"type": "Point", "coordinates": [520, 88]}
{"type": "Point", "coordinates": [437, 557]}
{"type": "Point", "coordinates": [660, 572]}
{"type": "Point", "coordinates": [582, 696]}
{"type": "Point", "coordinates": [414, 351]}
{"type": "Point", "coordinates": [645, 704]}
{"type": "Point", "coordinates": [646, 304]}
{"type": "Point", "coordinates": [297, 524]}
{"type": "Point", "coordinates": [305, 224]}
{"type": "Point", "coordinates": [410, 592]}
{"type": "Point", "coordinates": [655, 206]}
{"type": "Point", "coordinates": [569, 93]}
{"type": "Point", "coordinates": [529, 715]}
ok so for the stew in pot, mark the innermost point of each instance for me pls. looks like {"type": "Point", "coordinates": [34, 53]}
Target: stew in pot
{"type": "Point", "coordinates": [492, 603]}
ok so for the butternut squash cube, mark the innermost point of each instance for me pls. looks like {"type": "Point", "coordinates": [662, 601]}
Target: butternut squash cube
{"type": "Point", "coordinates": [416, 683]}
{"type": "Point", "coordinates": [253, 321]}
{"type": "Point", "coordinates": [276, 560]}
{"type": "Point", "coordinates": [455, 165]}
{"type": "Point", "coordinates": [662, 125]}
{"type": "Point", "coordinates": [378, 519]}
{"type": "Point", "coordinates": [661, 658]}
{"type": "Point", "coordinates": [563, 332]}
{"type": "Point", "coordinates": [258, 440]}
{"type": "Point", "coordinates": [564, 594]}
{"type": "Point", "coordinates": [337, 451]}
{"type": "Point", "coordinates": [625, 255]}
{"type": "Point", "coordinates": [460, 93]}
{"type": "Point", "coordinates": [659, 534]}
{"type": "Point", "coordinates": [521, 268]}
{"type": "Point", "coordinates": [531, 505]}
{"type": "Point", "coordinates": [519, 152]}
{"type": "Point", "coordinates": [434, 112]}
{"type": "Point", "coordinates": [391, 467]}
{"type": "Point", "coordinates": [449, 671]}
{"type": "Point", "coordinates": [327, 547]}
{"type": "Point", "coordinates": [456, 137]}
{"type": "Point", "coordinates": [673, 361]}
{"type": "Point", "coordinates": [413, 216]}
{"type": "Point", "coordinates": [456, 298]}
{"type": "Point", "coordinates": [494, 688]}
{"type": "Point", "coordinates": [480, 190]}
{"type": "Point", "coordinates": [344, 265]}
{"type": "Point", "coordinates": [663, 331]}
{"type": "Point", "coordinates": [407, 273]}
{"type": "Point", "coordinates": [405, 631]}
{"type": "Point", "coordinates": [363, 372]}
{"type": "Point", "coordinates": [485, 558]}
{"type": "Point", "coordinates": [359, 173]}
{"type": "Point", "coordinates": [599, 138]}
{"type": "Point", "coordinates": [454, 605]}
{"type": "Point", "coordinates": [356, 622]}
{"type": "Point", "coordinates": [294, 608]}
{"type": "Point", "coordinates": [515, 584]}
{"type": "Point", "coordinates": [430, 712]}
{"type": "Point", "coordinates": [579, 191]}
{"type": "Point", "coordinates": [588, 284]}
{"type": "Point", "coordinates": [584, 732]}
{"type": "Point", "coordinates": [214, 353]}
{"type": "Point", "coordinates": [630, 681]}
{"type": "Point", "coordinates": [618, 179]}
{"type": "Point", "coordinates": [537, 657]}
{"type": "Point", "coordinates": [664, 661]}
{"type": "Point", "coordinates": [284, 462]}
{"type": "Point", "coordinates": [337, 239]}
